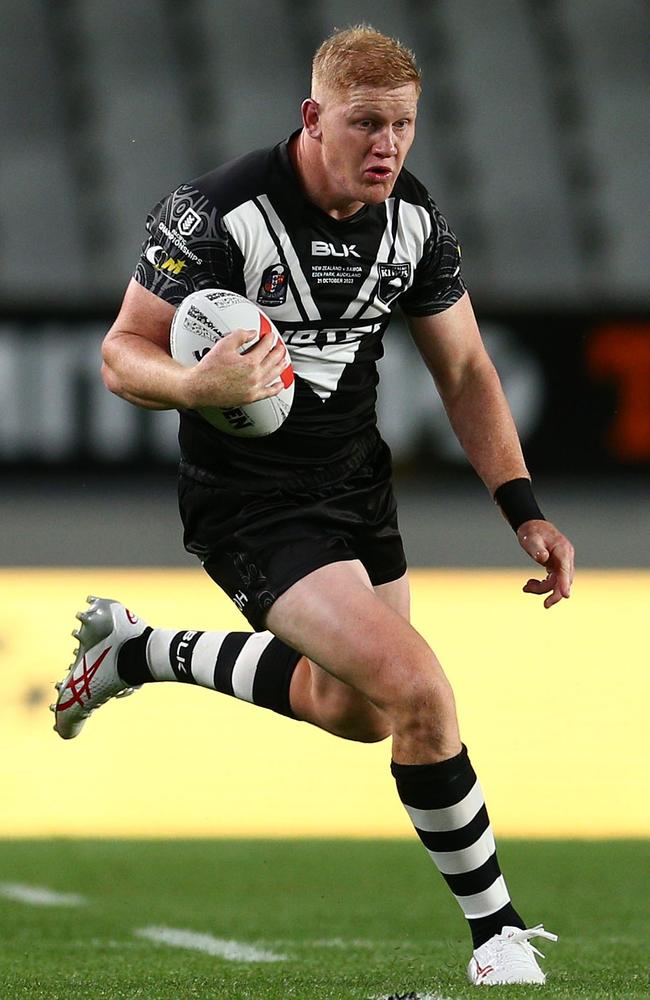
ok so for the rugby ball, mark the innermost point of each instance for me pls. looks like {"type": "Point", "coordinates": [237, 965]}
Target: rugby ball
{"type": "Point", "coordinates": [203, 318]}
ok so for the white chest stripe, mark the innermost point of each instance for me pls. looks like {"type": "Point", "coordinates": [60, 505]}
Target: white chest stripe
{"type": "Point", "coordinates": [247, 229]}
{"type": "Point", "coordinates": [297, 273]}
{"type": "Point", "coordinates": [321, 367]}
{"type": "Point", "coordinates": [413, 231]}
{"type": "Point", "coordinates": [373, 274]}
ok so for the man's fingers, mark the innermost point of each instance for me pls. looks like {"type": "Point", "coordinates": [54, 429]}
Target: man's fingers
{"type": "Point", "coordinates": [567, 566]}
{"type": "Point", "coordinates": [240, 338]}
{"type": "Point", "coordinates": [539, 586]}
{"type": "Point", "coordinates": [272, 368]}
{"type": "Point", "coordinates": [276, 357]}
{"type": "Point", "coordinates": [550, 549]}
{"type": "Point", "coordinates": [552, 586]}
{"type": "Point", "coordinates": [264, 348]}
{"type": "Point", "coordinates": [564, 581]}
{"type": "Point", "coordinates": [560, 569]}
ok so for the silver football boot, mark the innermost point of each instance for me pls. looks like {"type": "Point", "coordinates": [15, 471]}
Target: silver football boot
{"type": "Point", "coordinates": [93, 678]}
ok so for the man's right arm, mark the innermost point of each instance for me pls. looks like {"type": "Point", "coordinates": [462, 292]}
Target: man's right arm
{"type": "Point", "coordinates": [137, 364]}
{"type": "Point", "coordinates": [138, 367]}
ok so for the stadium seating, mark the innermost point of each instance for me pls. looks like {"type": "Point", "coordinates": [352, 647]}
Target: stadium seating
{"type": "Point", "coordinates": [529, 133]}
{"type": "Point", "coordinates": [41, 229]}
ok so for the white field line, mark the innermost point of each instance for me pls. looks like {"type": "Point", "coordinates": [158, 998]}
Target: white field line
{"type": "Point", "coordinates": [346, 943]}
{"type": "Point", "coordinates": [37, 895]}
{"type": "Point", "coordinates": [349, 943]}
{"type": "Point", "coordinates": [232, 951]}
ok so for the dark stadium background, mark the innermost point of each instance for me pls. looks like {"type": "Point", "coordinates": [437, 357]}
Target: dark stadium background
{"type": "Point", "coordinates": [531, 136]}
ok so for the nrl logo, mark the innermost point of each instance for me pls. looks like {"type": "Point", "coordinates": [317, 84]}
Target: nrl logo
{"type": "Point", "coordinates": [188, 222]}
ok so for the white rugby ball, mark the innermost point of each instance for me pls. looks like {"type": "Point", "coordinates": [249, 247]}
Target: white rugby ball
{"type": "Point", "coordinates": [203, 318]}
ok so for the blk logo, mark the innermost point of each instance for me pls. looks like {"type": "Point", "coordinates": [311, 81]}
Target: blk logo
{"type": "Point", "coordinates": [321, 249]}
{"type": "Point", "coordinates": [240, 599]}
{"type": "Point", "coordinates": [181, 650]}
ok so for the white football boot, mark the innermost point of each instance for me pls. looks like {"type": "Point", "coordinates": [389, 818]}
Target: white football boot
{"type": "Point", "coordinates": [508, 957]}
{"type": "Point", "coordinates": [93, 677]}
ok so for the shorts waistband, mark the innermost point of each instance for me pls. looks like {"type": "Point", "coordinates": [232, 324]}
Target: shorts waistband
{"type": "Point", "coordinates": [309, 477]}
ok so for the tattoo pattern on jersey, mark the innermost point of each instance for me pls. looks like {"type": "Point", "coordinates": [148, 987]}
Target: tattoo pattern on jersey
{"type": "Point", "coordinates": [187, 247]}
{"type": "Point", "coordinates": [254, 582]}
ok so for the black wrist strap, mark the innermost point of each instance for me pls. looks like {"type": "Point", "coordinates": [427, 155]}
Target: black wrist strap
{"type": "Point", "coordinates": [518, 503]}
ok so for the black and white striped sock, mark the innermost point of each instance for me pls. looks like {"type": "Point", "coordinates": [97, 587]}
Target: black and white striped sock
{"type": "Point", "coordinates": [446, 806]}
{"type": "Point", "coordinates": [252, 666]}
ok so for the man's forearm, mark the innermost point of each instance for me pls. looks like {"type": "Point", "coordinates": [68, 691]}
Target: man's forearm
{"type": "Point", "coordinates": [143, 374]}
{"type": "Point", "coordinates": [481, 419]}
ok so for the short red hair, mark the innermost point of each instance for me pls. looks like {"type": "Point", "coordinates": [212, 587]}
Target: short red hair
{"type": "Point", "coordinates": [361, 56]}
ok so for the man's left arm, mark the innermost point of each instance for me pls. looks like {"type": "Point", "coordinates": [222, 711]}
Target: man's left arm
{"type": "Point", "coordinates": [469, 386]}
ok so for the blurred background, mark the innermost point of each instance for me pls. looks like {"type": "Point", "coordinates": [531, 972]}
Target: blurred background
{"type": "Point", "coordinates": [532, 138]}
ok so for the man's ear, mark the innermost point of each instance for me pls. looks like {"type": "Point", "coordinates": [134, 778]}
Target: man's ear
{"type": "Point", "coordinates": [311, 117]}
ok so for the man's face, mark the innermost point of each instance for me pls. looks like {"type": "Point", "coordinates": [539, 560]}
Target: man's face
{"type": "Point", "coordinates": [365, 134]}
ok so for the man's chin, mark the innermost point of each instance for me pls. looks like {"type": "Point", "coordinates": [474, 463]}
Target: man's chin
{"type": "Point", "coordinates": [377, 191]}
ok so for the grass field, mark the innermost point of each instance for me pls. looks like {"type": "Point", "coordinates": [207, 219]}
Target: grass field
{"type": "Point", "coordinates": [341, 919]}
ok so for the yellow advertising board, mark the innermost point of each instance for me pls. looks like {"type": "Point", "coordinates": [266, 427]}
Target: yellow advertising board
{"type": "Point", "coordinates": [553, 707]}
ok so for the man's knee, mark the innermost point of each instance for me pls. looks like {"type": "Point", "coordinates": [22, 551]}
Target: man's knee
{"type": "Point", "coordinates": [350, 716]}
{"type": "Point", "coordinates": [419, 700]}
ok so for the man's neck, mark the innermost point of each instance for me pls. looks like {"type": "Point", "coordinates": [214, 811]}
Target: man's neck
{"type": "Point", "coordinates": [313, 179]}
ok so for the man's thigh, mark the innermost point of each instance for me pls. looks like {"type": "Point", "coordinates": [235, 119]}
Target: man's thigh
{"type": "Point", "coordinates": [395, 594]}
{"type": "Point", "coordinates": [362, 638]}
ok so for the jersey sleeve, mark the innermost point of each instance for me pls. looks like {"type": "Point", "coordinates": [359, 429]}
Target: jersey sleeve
{"type": "Point", "coordinates": [187, 247]}
{"type": "Point", "coordinates": [437, 283]}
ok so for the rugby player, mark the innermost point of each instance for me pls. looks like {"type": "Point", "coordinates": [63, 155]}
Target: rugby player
{"type": "Point", "coordinates": [328, 232]}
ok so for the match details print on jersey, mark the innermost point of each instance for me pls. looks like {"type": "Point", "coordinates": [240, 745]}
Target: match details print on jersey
{"type": "Point", "coordinates": [329, 285]}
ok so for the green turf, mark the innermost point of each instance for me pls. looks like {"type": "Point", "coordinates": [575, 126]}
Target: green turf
{"type": "Point", "coordinates": [355, 919]}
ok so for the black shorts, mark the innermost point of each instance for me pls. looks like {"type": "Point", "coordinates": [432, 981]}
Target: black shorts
{"type": "Point", "coordinates": [255, 545]}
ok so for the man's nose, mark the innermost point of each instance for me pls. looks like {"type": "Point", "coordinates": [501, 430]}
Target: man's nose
{"type": "Point", "coordinates": [386, 144]}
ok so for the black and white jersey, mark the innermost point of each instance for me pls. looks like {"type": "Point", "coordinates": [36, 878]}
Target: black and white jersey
{"type": "Point", "coordinates": [328, 285]}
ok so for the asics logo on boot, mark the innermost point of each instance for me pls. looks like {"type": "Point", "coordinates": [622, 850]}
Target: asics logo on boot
{"type": "Point", "coordinates": [481, 972]}
{"type": "Point", "coordinates": [80, 686]}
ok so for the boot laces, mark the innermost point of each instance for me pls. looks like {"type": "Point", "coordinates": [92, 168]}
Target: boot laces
{"type": "Point", "coordinates": [524, 936]}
